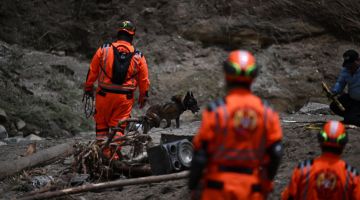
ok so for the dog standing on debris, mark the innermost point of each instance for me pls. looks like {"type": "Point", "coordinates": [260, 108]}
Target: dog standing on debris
{"type": "Point", "coordinates": [173, 110]}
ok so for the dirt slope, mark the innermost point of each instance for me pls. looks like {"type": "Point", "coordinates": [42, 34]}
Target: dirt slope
{"type": "Point", "coordinates": [186, 41]}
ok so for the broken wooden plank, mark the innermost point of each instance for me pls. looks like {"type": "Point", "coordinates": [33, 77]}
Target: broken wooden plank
{"type": "Point", "coordinates": [13, 166]}
{"type": "Point", "coordinates": [106, 185]}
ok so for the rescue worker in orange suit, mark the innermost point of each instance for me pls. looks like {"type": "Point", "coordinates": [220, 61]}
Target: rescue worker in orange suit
{"type": "Point", "coordinates": [327, 176]}
{"type": "Point", "coordinates": [119, 69]}
{"type": "Point", "coordinates": [238, 149]}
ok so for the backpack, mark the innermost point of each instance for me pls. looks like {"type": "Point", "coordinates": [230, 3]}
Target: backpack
{"type": "Point", "coordinates": [121, 65]}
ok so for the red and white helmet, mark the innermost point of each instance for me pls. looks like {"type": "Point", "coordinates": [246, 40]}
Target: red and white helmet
{"type": "Point", "coordinates": [240, 66]}
{"type": "Point", "coordinates": [333, 135]}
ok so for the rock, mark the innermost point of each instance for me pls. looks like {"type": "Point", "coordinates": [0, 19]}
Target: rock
{"type": "Point", "coordinates": [20, 124]}
{"type": "Point", "coordinates": [3, 132]}
{"type": "Point", "coordinates": [33, 137]}
{"type": "Point", "coordinates": [2, 143]}
{"type": "Point", "coordinates": [13, 140]}
{"type": "Point", "coordinates": [315, 108]}
{"type": "Point", "coordinates": [58, 53]}
{"type": "Point", "coordinates": [37, 132]}
{"type": "Point", "coordinates": [68, 160]}
{"type": "Point", "coordinates": [3, 116]}
{"type": "Point", "coordinates": [79, 179]}
{"type": "Point", "coordinates": [41, 181]}
{"type": "Point", "coordinates": [65, 133]}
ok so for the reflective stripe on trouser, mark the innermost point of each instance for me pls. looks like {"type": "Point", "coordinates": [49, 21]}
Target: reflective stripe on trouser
{"type": "Point", "coordinates": [110, 109]}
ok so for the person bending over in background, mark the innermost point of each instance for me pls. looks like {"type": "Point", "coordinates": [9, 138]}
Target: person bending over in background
{"type": "Point", "coordinates": [350, 77]}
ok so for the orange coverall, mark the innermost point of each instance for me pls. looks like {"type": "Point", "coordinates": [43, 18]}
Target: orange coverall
{"type": "Point", "coordinates": [238, 130]}
{"type": "Point", "coordinates": [114, 102]}
{"type": "Point", "coordinates": [325, 178]}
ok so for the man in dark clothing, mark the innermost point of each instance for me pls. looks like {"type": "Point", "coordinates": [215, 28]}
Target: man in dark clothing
{"type": "Point", "coordinates": [350, 77]}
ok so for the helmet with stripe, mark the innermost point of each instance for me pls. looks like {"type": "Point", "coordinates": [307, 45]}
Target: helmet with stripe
{"type": "Point", "coordinates": [127, 26]}
{"type": "Point", "coordinates": [333, 135]}
{"type": "Point", "coordinates": [240, 66]}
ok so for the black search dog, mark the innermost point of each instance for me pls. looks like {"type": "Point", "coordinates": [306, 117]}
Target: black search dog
{"type": "Point", "coordinates": [173, 110]}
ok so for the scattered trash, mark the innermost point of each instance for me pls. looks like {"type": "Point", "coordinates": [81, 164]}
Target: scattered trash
{"type": "Point", "coordinates": [288, 121]}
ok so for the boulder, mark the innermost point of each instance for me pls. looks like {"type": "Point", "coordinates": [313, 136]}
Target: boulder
{"type": "Point", "coordinates": [41, 181]}
{"type": "Point", "coordinates": [20, 124]}
{"type": "Point", "coordinates": [315, 108]}
{"type": "Point", "coordinates": [33, 137]}
{"type": "Point", "coordinates": [3, 132]}
{"type": "Point", "coordinates": [3, 116]}
{"type": "Point", "coordinates": [79, 179]}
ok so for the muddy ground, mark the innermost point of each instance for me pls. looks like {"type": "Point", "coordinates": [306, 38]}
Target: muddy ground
{"type": "Point", "coordinates": [300, 143]}
{"type": "Point", "coordinates": [46, 47]}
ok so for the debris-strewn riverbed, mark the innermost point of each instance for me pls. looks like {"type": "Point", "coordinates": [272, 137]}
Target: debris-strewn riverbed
{"type": "Point", "coordinates": [300, 143]}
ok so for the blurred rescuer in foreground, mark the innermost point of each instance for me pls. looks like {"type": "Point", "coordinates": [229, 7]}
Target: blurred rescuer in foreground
{"type": "Point", "coordinates": [119, 69]}
{"type": "Point", "coordinates": [327, 176]}
{"type": "Point", "coordinates": [238, 148]}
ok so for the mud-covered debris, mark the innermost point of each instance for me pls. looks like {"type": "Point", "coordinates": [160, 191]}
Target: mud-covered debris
{"type": "Point", "coordinates": [3, 132]}
{"type": "Point", "coordinates": [2, 143]}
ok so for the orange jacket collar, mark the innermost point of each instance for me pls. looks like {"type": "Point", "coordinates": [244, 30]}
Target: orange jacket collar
{"type": "Point", "coordinates": [124, 43]}
{"type": "Point", "coordinates": [329, 155]}
{"type": "Point", "coordinates": [239, 91]}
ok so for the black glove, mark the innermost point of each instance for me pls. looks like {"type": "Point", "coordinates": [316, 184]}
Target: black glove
{"type": "Point", "coordinates": [89, 93]}
{"type": "Point", "coordinates": [198, 165]}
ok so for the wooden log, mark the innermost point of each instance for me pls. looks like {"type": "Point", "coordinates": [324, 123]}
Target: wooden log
{"type": "Point", "coordinates": [41, 157]}
{"type": "Point", "coordinates": [111, 184]}
{"type": "Point", "coordinates": [133, 171]}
